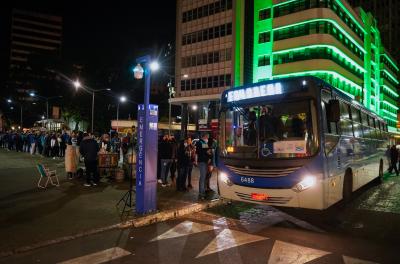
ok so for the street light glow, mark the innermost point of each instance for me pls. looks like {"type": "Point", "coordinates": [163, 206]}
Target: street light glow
{"type": "Point", "coordinates": [194, 107]}
{"type": "Point", "coordinates": [32, 94]}
{"type": "Point", "coordinates": [154, 66]}
{"type": "Point", "coordinates": [42, 117]}
{"type": "Point", "coordinates": [185, 76]}
{"type": "Point", "coordinates": [9, 101]}
{"type": "Point", "coordinates": [122, 99]}
{"type": "Point", "coordinates": [77, 84]}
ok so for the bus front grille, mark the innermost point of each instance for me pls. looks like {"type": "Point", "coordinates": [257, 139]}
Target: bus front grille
{"type": "Point", "coordinates": [270, 200]}
{"type": "Point", "coordinates": [276, 172]}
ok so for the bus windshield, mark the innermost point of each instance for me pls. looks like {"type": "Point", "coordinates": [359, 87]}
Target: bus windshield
{"type": "Point", "coordinates": [273, 130]}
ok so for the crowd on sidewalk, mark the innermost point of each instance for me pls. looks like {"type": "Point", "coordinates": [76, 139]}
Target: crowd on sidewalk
{"type": "Point", "coordinates": [175, 159]}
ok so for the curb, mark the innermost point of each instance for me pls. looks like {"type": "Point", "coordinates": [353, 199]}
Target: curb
{"type": "Point", "coordinates": [136, 222]}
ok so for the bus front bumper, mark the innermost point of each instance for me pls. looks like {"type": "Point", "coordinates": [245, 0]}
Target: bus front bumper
{"type": "Point", "coordinates": [311, 198]}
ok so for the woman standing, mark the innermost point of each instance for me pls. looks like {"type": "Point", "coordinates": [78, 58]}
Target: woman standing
{"type": "Point", "coordinates": [70, 160]}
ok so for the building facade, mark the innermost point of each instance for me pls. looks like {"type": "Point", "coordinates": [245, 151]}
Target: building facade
{"type": "Point", "coordinates": [272, 39]}
{"type": "Point", "coordinates": [386, 13]}
{"type": "Point", "coordinates": [35, 37]}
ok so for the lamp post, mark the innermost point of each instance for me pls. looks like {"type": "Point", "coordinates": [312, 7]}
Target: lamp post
{"type": "Point", "coordinates": [122, 99]}
{"type": "Point", "coordinates": [32, 94]}
{"type": "Point", "coordinates": [78, 85]}
{"type": "Point", "coordinates": [21, 115]}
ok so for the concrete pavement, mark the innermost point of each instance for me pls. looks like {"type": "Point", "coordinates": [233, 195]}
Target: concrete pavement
{"type": "Point", "coordinates": [212, 238]}
{"type": "Point", "coordinates": [37, 217]}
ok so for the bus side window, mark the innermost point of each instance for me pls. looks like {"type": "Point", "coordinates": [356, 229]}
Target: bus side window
{"type": "Point", "coordinates": [355, 116]}
{"type": "Point", "coordinates": [364, 120]}
{"type": "Point", "coordinates": [331, 127]}
{"type": "Point", "coordinates": [346, 126]}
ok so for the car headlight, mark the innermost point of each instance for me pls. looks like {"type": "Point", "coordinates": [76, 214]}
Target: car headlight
{"type": "Point", "coordinates": [225, 179]}
{"type": "Point", "coordinates": [307, 182]}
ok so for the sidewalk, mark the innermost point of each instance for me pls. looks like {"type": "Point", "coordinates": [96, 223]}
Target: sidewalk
{"type": "Point", "coordinates": [30, 215]}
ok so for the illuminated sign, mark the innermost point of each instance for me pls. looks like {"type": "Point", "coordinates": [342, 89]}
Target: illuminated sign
{"type": "Point", "coordinates": [254, 92]}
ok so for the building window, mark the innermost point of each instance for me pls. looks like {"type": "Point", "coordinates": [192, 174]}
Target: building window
{"type": "Point", "coordinates": [264, 14]}
{"type": "Point", "coordinates": [263, 61]}
{"type": "Point", "coordinates": [206, 10]}
{"type": "Point", "coordinates": [207, 34]}
{"type": "Point", "coordinates": [264, 37]}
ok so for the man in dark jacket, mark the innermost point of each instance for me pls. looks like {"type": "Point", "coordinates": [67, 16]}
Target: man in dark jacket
{"type": "Point", "coordinates": [394, 157]}
{"type": "Point", "coordinates": [89, 149]}
{"type": "Point", "coordinates": [165, 150]}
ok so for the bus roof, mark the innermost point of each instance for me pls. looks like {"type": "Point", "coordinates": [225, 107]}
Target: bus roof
{"type": "Point", "coordinates": [274, 88]}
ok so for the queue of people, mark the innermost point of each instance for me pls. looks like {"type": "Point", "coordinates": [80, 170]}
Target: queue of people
{"type": "Point", "coordinates": [175, 159]}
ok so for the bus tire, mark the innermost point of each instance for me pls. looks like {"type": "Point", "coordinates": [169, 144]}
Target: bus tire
{"type": "Point", "coordinates": [347, 186]}
{"type": "Point", "coordinates": [379, 180]}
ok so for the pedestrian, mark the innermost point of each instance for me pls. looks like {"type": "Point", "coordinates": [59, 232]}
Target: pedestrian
{"type": "Point", "coordinates": [71, 164]}
{"type": "Point", "coordinates": [174, 149]}
{"type": "Point", "coordinates": [387, 155]}
{"type": "Point", "coordinates": [54, 146]}
{"type": "Point", "coordinates": [32, 142]}
{"type": "Point", "coordinates": [89, 150]}
{"type": "Point", "coordinates": [192, 152]}
{"type": "Point", "coordinates": [165, 150]}
{"type": "Point", "coordinates": [212, 145]}
{"type": "Point", "coordinates": [394, 157]}
{"type": "Point", "coordinates": [202, 158]}
{"type": "Point", "coordinates": [183, 156]}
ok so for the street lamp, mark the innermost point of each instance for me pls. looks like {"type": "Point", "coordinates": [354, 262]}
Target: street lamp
{"type": "Point", "coordinates": [9, 101]}
{"type": "Point", "coordinates": [78, 85]}
{"type": "Point", "coordinates": [122, 99]}
{"type": "Point", "coordinates": [32, 94]}
{"type": "Point", "coordinates": [154, 66]}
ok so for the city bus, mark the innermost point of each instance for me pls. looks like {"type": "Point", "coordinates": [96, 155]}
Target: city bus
{"type": "Point", "coordinates": [297, 142]}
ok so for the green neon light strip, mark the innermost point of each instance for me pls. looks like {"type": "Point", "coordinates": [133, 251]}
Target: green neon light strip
{"type": "Point", "coordinates": [283, 3]}
{"type": "Point", "coordinates": [393, 129]}
{"type": "Point", "coordinates": [390, 90]}
{"type": "Point", "coordinates": [391, 76]}
{"type": "Point", "coordinates": [390, 113]}
{"type": "Point", "coordinates": [389, 118]}
{"type": "Point", "coordinates": [334, 74]}
{"type": "Point", "coordinates": [391, 105]}
{"type": "Point", "coordinates": [328, 20]}
{"type": "Point", "coordinates": [350, 15]}
{"type": "Point", "coordinates": [336, 50]}
{"type": "Point", "coordinates": [391, 61]}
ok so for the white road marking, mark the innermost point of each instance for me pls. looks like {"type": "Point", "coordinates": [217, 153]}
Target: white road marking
{"type": "Point", "coordinates": [283, 253]}
{"type": "Point", "coordinates": [99, 257]}
{"type": "Point", "coordinates": [184, 229]}
{"type": "Point", "coordinates": [351, 260]}
{"type": "Point", "coordinates": [229, 239]}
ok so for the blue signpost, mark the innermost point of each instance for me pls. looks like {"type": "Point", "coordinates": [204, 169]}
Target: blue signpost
{"type": "Point", "coordinates": [146, 163]}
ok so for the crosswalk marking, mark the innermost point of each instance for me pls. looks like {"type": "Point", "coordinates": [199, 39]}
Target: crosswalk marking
{"type": "Point", "coordinates": [283, 252]}
{"type": "Point", "coordinates": [351, 260]}
{"type": "Point", "coordinates": [184, 229]}
{"type": "Point", "coordinates": [99, 257]}
{"type": "Point", "coordinates": [228, 239]}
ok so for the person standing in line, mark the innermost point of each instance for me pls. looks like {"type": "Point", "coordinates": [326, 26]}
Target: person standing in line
{"type": "Point", "coordinates": [394, 157]}
{"type": "Point", "coordinates": [89, 150]}
{"type": "Point", "coordinates": [202, 157]}
{"type": "Point", "coordinates": [183, 156]}
{"type": "Point", "coordinates": [212, 145]}
{"type": "Point", "coordinates": [32, 142]}
{"type": "Point", "coordinates": [192, 152]}
{"type": "Point", "coordinates": [70, 160]}
{"type": "Point", "coordinates": [173, 167]}
{"type": "Point", "coordinates": [165, 151]}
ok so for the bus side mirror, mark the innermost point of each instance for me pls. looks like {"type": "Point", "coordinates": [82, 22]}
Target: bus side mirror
{"type": "Point", "coordinates": [333, 111]}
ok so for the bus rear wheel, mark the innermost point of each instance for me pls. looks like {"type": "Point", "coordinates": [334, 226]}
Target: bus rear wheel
{"type": "Point", "coordinates": [347, 186]}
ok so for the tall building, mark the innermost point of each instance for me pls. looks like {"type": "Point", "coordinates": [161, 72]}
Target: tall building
{"type": "Point", "coordinates": [386, 13]}
{"type": "Point", "coordinates": [271, 39]}
{"type": "Point", "coordinates": [35, 38]}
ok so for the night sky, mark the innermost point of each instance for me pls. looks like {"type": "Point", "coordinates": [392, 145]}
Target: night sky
{"type": "Point", "coordinates": [110, 33]}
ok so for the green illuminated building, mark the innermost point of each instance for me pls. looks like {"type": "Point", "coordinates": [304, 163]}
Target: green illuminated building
{"type": "Point", "coordinates": [323, 38]}
{"type": "Point", "coordinates": [225, 43]}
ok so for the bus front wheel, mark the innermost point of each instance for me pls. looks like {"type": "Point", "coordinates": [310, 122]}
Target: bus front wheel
{"type": "Point", "coordinates": [347, 186]}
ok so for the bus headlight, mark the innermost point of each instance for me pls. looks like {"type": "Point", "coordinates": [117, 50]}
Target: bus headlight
{"type": "Point", "coordinates": [225, 179]}
{"type": "Point", "coordinates": [307, 182]}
